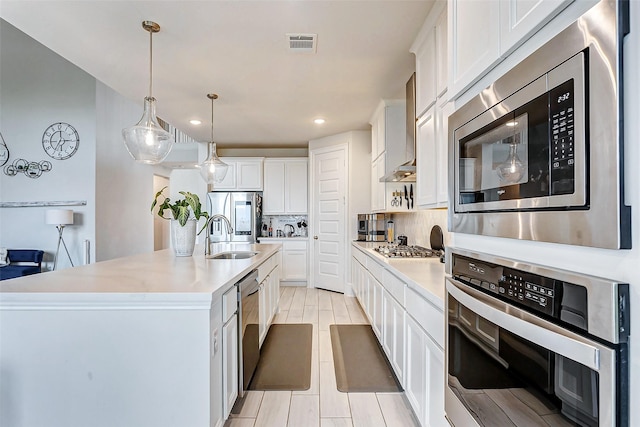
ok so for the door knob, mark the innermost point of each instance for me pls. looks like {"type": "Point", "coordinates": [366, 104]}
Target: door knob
{"type": "Point", "coordinates": [315, 237]}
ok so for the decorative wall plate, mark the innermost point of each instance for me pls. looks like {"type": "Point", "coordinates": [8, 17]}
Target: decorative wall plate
{"type": "Point", "coordinates": [4, 151]}
{"type": "Point", "coordinates": [30, 169]}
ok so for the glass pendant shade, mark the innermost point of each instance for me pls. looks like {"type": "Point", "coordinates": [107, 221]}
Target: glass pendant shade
{"type": "Point", "coordinates": [511, 170]}
{"type": "Point", "coordinates": [213, 170]}
{"type": "Point", "coordinates": [147, 141]}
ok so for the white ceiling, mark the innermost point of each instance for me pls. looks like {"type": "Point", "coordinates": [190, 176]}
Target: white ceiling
{"type": "Point", "coordinates": [238, 49]}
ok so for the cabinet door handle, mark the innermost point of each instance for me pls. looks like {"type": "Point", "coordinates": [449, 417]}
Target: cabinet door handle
{"type": "Point", "coordinates": [315, 237]}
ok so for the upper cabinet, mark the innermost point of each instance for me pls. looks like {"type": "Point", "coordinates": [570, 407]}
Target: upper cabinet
{"type": "Point", "coordinates": [430, 49]}
{"type": "Point", "coordinates": [285, 186]}
{"type": "Point", "coordinates": [482, 32]}
{"type": "Point", "coordinates": [432, 110]}
{"type": "Point", "coordinates": [244, 174]}
{"type": "Point", "coordinates": [388, 147]}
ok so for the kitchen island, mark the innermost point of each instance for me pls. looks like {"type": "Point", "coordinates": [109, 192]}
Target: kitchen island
{"type": "Point", "coordinates": [134, 341]}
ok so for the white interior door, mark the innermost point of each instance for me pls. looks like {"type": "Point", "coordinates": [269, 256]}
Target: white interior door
{"type": "Point", "coordinates": [329, 186]}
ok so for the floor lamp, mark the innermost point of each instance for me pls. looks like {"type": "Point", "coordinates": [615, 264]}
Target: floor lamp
{"type": "Point", "coordinates": [60, 218]}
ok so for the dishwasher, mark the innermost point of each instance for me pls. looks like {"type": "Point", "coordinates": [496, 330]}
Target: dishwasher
{"type": "Point", "coordinates": [248, 331]}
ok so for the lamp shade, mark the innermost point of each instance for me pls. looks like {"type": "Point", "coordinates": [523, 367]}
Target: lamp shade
{"type": "Point", "coordinates": [59, 217]}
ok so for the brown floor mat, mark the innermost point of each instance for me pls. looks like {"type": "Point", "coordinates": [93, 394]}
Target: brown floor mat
{"type": "Point", "coordinates": [360, 363]}
{"type": "Point", "coordinates": [285, 358]}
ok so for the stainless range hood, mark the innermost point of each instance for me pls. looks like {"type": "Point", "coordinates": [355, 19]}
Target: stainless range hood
{"type": "Point", "coordinates": [406, 172]}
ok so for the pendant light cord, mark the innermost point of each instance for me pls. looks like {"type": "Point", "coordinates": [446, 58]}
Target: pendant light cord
{"type": "Point", "coordinates": [150, 64]}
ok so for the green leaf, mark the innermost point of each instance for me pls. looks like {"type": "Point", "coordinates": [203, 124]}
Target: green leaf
{"type": "Point", "coordinates": [183, 215]}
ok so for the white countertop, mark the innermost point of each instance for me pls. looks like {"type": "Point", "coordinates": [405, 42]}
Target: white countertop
{"type": "Point", "coordinates": [156, 276]}
{"type": "Point", "coordinates": [279, 239]}
{"type": "Point", "coordinates": [424, 275]}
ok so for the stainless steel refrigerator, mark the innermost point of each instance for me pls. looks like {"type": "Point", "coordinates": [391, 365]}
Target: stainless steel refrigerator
{"type": "Point", "coordinates": [244, 211]}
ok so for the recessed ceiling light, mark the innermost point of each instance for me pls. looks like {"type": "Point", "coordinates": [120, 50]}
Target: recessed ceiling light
{"type": "Point", "coordinates": [195, 122]}
{"type": "Point", "coordinates": [318, 121]}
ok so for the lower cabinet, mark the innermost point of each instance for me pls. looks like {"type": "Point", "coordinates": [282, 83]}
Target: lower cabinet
{"type": "Point", "coordinates": [269, 298]}
{"type": "Point", "coordinates": [294, 261]}
{"type": "Point", "coordinates": [394, 334]}
{"type": "Point", "coordinates": [424, 375]}
{"type": "Point", "coordinates": [377, 304]}
{"type": "Point", "coordinates": [410, 343]}
{"type": "Point", "coordinates": [230, 364]}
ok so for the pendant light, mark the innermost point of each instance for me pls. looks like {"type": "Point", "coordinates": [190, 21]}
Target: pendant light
{"type": "Point", "coordinates": [147, 141]}
{"type": "Point", "coordinates": [512, 169]}
{"type": "Point", "coordinates": [213, 170]}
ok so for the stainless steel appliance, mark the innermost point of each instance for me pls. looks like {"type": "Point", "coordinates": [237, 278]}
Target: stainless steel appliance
{"type": "Point", "coordinates": [406, 171]}
{"type": "Point", "coordinates": [405, 251]}
{"type": "Point", "coordinates": [372, 227]}
{"type": "Point", "coordinates": [248, 330]}
{"type": "Point", "coordinates": [538, 154]}
{"type": "Point", "coordinates": [244, 211]}
{"type": "Point", "coordinates": [362, 227]}
{"type": "Point", "coordinates": [535, 343]}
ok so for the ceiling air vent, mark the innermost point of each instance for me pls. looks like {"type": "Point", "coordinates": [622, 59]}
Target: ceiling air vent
{"type": "Point", "coordinates": [303, 43]}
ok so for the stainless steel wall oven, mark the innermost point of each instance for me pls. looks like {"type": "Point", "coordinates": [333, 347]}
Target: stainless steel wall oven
{"type": "Point", "coordinates": [538, 154]}
{"type": "Point", "coordinates": [531, 345]}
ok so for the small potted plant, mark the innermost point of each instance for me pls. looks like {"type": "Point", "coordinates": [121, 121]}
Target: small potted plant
{"type": "Point", "coordinates": [185, 215]}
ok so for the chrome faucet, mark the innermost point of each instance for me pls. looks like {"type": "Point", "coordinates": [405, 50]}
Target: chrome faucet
{"type": "Point", "coordinates": [207, 241]}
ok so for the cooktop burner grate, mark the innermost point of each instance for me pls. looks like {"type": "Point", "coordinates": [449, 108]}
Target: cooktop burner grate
{"type": "Point", "coordinates": [404, 251]}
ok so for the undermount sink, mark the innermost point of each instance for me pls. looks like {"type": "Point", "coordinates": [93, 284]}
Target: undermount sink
{"type": "Point", "coordinates": [233, 255]}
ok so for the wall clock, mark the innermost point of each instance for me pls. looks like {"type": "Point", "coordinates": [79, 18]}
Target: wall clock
{"type": "Point", "coordinates": [60, 141]}
{"type": "Point", "coordinates": [4, 151]}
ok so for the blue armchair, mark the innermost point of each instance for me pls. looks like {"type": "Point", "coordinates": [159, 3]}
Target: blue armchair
{"type": "Point", "coordinates": [22, 263]}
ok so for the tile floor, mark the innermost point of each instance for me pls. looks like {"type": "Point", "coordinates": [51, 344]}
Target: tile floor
{"type": "Point", "coordinates": [322, 405]}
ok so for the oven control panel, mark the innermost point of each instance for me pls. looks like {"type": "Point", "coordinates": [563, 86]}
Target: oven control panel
{"type": "Point", "coordinates": [537, 293]}
{"type": "Point", "coordinates": [534, 291]}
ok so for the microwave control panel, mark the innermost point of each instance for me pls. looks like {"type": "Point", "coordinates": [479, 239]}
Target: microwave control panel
{"type": "Point", "coordinates": [561, 126]}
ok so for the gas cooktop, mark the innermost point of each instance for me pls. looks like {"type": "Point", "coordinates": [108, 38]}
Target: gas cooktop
{"type": "Point", "coordinates": [404, 251]}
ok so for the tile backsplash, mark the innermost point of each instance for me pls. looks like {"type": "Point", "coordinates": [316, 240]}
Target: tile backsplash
{"type": "Point", "coordinates": [417, 225]}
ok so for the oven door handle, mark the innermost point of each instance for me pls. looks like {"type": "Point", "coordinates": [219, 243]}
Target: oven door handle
{"type": "Point", "coordinates": [528, 326]}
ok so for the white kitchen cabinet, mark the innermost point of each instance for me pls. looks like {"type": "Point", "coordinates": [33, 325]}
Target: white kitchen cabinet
{"type": "Point", "coordinates": [294, 266]}
{"type": "Point", "coordinates": [377, 301]}
{"type": "Point", "coordinates": [285, 186]}
{"type": "Point", "coordinates": [268, 294]}
{"type": "Point", "coordinates": [442, 53]}
{"type": "Point", "coordinates": [388, 142]}
{"type": "Point", "coordinates": [443, 110]}
{"type": "Point", "coordinates": [244, 174]}
{"type": "Point", "coordinates": [426, 91]}
{"type": "Point", "coordinates": [432, 156]}
{"type": "Point", "coordinates": [427, 160]}
{"type": "Point", "coordinates": [520, 18]}
{"type": "Point", "coordinates": [378, 189]}
{"type": "Point", "coordinates": [484, 32]}
{"type": "Point", "coordinates": [294, 261]}
{"type": "Point", "coordinates": [230, 363]}
{"type": "Point", "coordinates": [393, 335]}
{"type": "Point", "coordinates": [424, 375]}
{"type": "Point", "coordinates": [430, 49]}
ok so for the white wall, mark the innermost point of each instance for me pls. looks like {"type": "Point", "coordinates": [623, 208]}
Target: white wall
{"type": "Point", "coordinates": [39, 88]}
{"type": "Point", "coordinates": [620, 265]}
{"type": "Point", "coordinates": [124, 188]}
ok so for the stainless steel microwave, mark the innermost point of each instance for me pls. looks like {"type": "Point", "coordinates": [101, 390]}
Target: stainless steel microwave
{"type": "Point", "coordinates": [538, 155]}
